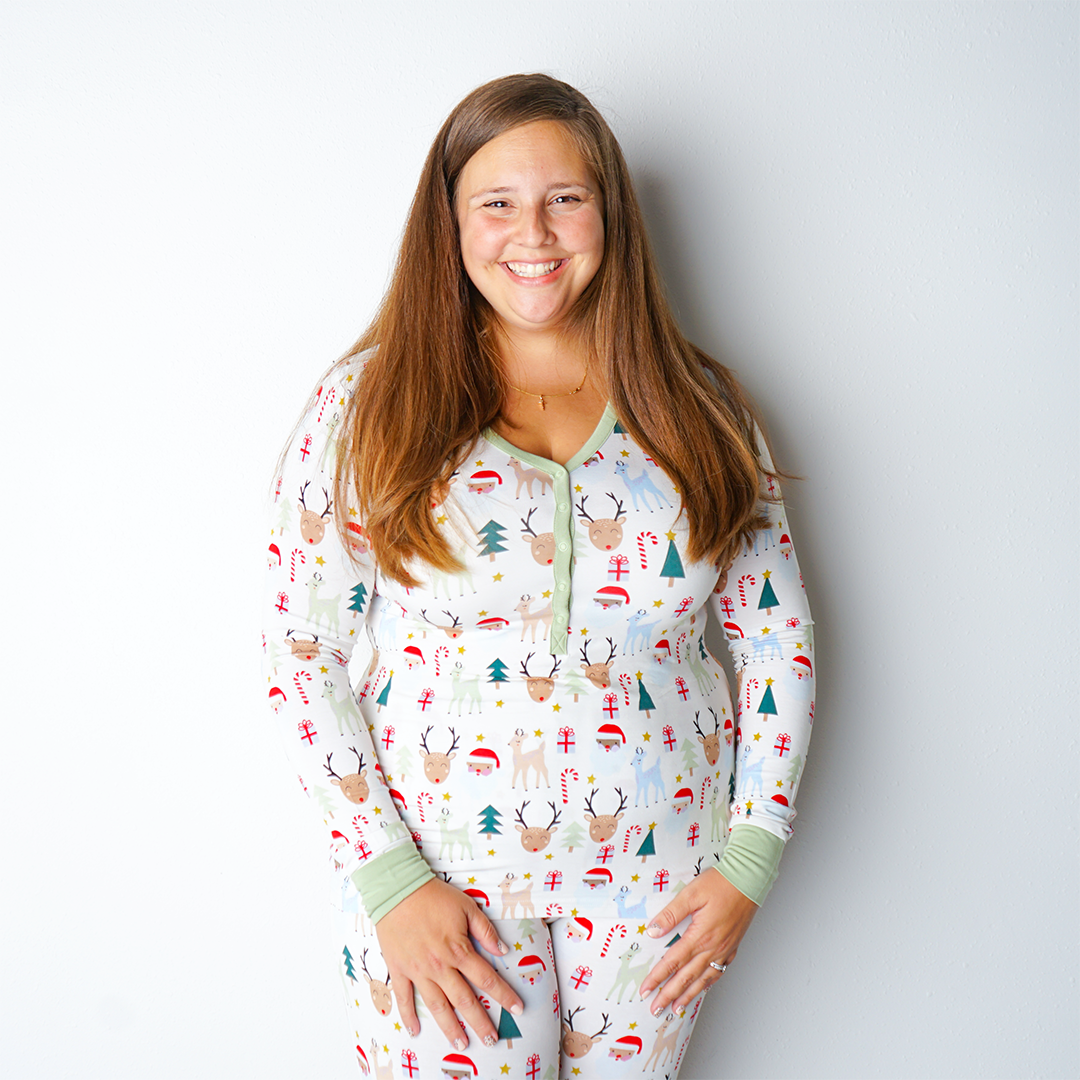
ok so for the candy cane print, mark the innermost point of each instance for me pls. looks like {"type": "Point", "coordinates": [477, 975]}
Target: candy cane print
{"type": "Point", "coordinates": [326, 399]}
{"type": "Point", "coordinates": [571, 774]}
{"type": "Point", "coordinates": [630, 830]}
{"type": "Point", "coordinates": [748, 684]}
{"type": "Point", "coordinates": [678, 647]}
{"type": "Point", "coordinates": [641, 538]}
{"type": "Point", "coordinates": [420, 804]}
{"type": "Point", "coordinates": [292, 562]}
{"type": "Point", "coordinates": [626, 682]}
{"type": "Point", "coordinates": [742, 587]}
{"type": "Point", "coordinates": [440, 652]}
{"type": "Point", "coordinates": [552, 909]}
{"type": "Point", "coordinates": [704, 787]}
{"type": "Point", "coordinates": [610, 934]}
{"type": "Point", "coordinates": [361, 818]}
{"type": "Point", "coordinates": [299, 687]}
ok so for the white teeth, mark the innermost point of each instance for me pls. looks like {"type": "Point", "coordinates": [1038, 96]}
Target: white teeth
{"type": "Point", "coordinates": [533, 269]}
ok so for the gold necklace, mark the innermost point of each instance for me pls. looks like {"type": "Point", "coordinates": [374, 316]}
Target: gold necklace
{"type": "Point", "coordinates": [565, 393]}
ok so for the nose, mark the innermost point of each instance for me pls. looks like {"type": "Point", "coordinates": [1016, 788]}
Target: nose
{"type": "Point", "coordinates": [534, 230]}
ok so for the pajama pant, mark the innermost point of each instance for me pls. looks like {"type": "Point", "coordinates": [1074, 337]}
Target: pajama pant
{"type": "Point", "coordinates": [583, 1018]}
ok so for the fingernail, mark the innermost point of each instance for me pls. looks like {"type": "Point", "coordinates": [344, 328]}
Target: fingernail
{"type": "Point", "coordinates": [653, 930]}
{"type": "Point", "coordinates": [517, 1010]}
{"type": "Point", "coordinates": [657, 1011]}
{"type": "Point", "coordinates": [413, 1032]}
{"type": "Point", "coordinates": [490, 1041]}
{"type": "Point", "coordinates": [681, 1010]}
{"type": "Point", "coordinates": [503, 950]}
{"type": "Point", "coordinates": [459, 1044]}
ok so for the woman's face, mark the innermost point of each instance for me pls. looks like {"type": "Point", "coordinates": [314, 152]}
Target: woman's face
{"type": "Point", "coordinates": [532, 225]}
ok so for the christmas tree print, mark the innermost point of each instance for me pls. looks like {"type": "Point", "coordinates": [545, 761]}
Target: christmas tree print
{"type": "Point", "coordinates": [508, 1028]}
{"type": "Point", "coordinates": [620, 430]}
{"type": "Point", "coordinates": [492, 533]}
{"type": "Point", "coordinates": [768, 597]}
{"type": "Point", "coordinates": [689, 756]}
{"type": "Point", "coordinates": [322, 796]}
{"type": "Point", "coordinates": [672, 567]}
{"type": "Point", "coordinates": [574, 683]}
{"type": "Point", "coordinates": [498, 672]}
{"type": "Point", "coordinates": [284, 518]}
{"type": "Point", "coordinates": [645, 702]}
{"type": "Point", "coordinates": [489, 818]}
{"type": "Point", "coordinates": [527, 928]}
{"type": "Point", "coordinates": [358, 598]}
{"type": "Point", "coordinates": [350, 970]}
{"type": "Point", "coordinates": [648, 846]}
{"type": "Point", "coordinates": [384, 697]}
{"type": "Point", "coordinates": [404, 762]}
{"type": "Point", "coordinates": [793, 772]}
{"type": "Point", "coordinates": [573, 836]}
{"type": "Point", "coordinates": [767, 707]}
{"type": "Point", "coordinates": [731, 788]}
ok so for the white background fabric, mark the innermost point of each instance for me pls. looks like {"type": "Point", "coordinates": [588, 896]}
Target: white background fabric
{"type": "Point", "coordinates": [868, 210]}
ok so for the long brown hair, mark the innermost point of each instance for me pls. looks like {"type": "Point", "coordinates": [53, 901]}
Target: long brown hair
{"type": "Point", "coordinates": [433, 382]}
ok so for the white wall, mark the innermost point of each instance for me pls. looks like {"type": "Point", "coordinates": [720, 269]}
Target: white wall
{"type": "Point", "coordinates": [870, 211]}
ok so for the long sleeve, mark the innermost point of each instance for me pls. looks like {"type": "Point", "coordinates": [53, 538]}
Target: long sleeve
{"type": "Point", "coordinates": [315, 608]}
{"type": "Point", "coordinates": [761, 603]}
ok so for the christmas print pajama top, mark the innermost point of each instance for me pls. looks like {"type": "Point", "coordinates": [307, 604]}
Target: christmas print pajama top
{"type": "Point", "coordinates": [547, 728]}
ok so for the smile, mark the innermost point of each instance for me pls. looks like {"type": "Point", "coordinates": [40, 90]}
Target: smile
{"type": "Point", "coordinates": [533, 270]}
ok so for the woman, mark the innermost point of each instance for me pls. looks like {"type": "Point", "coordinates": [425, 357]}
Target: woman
{"type": "Point", "coordinates": [550, 827]}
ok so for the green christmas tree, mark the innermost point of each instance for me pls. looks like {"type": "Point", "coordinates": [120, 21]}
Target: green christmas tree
{"type": "Point", "coordinates": [672, 567]}
{"type": "Point", "coordinates": [573, 836]}
{"type": "Point", "coordinates": [498, 672]}
{"type": "Point", "coordinates": [731, 788]}
{"type": "Point", "coordinates": [358, 598]}
{"type": "Point", "coordinates": [382, 699]}
{"type": "Point", "coordinates": [493, 536]}
{"type": "Point", "coordinates": [284, 518]}
{"type": "Point", "coordinates": [349, 969]}
{"type": "Point", "coordinates": [793, 772]}
{"type": "Point", "coordinates": [489, 818]}
{"type": "Point", "coordinates": [322, 796]}
{"type": "Point", "coordinates": [767, 707]}
{"type": "Point", "coordinates": [645, 702]}
{"type": "Point", "coordinates": [620, 430]}
{"type": "Point", "coordinates": [648, 847]}
{"type": "Point", "coordinates": [689, 756]}
{"type": "Point", "coordinates": [768, 597]}
{"type": "Point", "coordinates": [404, 762]}
{"type": "Point", "coordinates": [508, 1028]}
{"type": "Point", "coordinates": [527, 928]}
{"type": "Point", "coordinates": [574, 683]}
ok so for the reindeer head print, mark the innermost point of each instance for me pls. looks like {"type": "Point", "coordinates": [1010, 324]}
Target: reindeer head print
{"type": "Point", "coordinates": [602, 827]}
{"type": "Point", "coordinates": [598, 674]}
{"type": "Point", "coordinates": [711, 742]}
{"type": "Point", "coordinates": [436, 765]}
{"type": "Point", "coordinates": [535, 838]}
{"type": "Point", "coordinates": [303, 648]}
{"type": "Point", "coordinates": [604, 533]}
{"type": "Point", "coordinates": [542, 545]}
{"type": "Point", "coordinates": [540, 687]}
{"type": "Point", "coordinates": [312, 525]}
{"type": "Point", "coordinates": [576, 1044]}
{"type": "Point", "coordinates": [354, 786]}
{"type": "Point", "coordinates": [381, 997]}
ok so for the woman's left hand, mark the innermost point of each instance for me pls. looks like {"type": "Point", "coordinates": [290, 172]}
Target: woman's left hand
{"type": "Point", "coordinates": [720, 916]}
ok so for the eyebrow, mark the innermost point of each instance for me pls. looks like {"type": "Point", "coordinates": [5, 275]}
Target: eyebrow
{"type": "Point", "coordinates": [511, 190]}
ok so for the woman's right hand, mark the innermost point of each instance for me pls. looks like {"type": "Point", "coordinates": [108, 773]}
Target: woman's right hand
{"type": "Point", "coordinates": [425, 942]}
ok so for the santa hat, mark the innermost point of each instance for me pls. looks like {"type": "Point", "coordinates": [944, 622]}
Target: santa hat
{"type": "Point", "coordinates": [458, 1062]}
{"type": "Point", "coordinates": [275, 550]}
{"type": "Point", "coordinates": [496, 622]}
{"type": "Point", "coordinates": [732, 630]}
{"type": "Point", "coordinates": [531, 963]}
{"type": "Point", "coordinates": [412, 650]}
{"type": "Point", "coordinates": [630, 1042]}
{"type": "Point", "coordinates": [598, 875]}
{"type": "Point", "coordinates": [478, 896]}
{"type": "Point", "coordinates": [584, 925]}
{"type": "Point", "coordinates": [610, 731]}
{"type": "Point", "coordinates": [337, 835]}
{"type": "Point", "coordinates": [612, 594]}
{"type": "Point", "coordinates": [482, 756]}
{"type": "Point", "coordinates": [485, 477]}
{"type": "Point", "coordinates": [803, 661]}
{"type": "Point", "coordinates": [684, 794]}
{"type": "Point", "coordinates": [277, 692]}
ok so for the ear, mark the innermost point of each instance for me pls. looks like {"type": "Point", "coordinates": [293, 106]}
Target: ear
{"type": "Point", "coordinates": [520, 828]}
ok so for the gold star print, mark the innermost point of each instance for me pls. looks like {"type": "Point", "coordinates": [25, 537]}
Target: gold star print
{"type": "Point", "coordinates": [798, 644]}
{"type": "Point", "coordinates": [769, 681]}
{"type": "Point", "coordinates": [757, 736]}
{"type": "Point", "coordinates": [779, 783]}
{"type": "Point", "coordinates": [461, 650]}
{"type": "Point", "coordinates": [590, 779]}
{"type": "Point", "coordinates": [652, 825]}
{"type": "Point", "coordinates": [481, 614]}
{"type": "Point", "coordinates": [584, 631]}
{"type": "Point", "coordinates": [766, 630]}
{"type": "Point", "coordinates": [528, 875]}
{"type": "Point", "coordinates": [479, 738]}
{"type": "Point", "coordinates": [749, 803]}
{"type": "Point", "coordinates": [766, 573]}
{"type": "Point", "coordinates": [634, 877]}
{"type": "Point", "coordinates": [546, 593]}
{"type": "Point", "coordinates": [517, 945]}
{"type": "Point", "coordinates": [624, 453]}
{"type": "Point", "coordinates": [496, 577]}
{"type": "Point", "coordinates": [549, 856]}
{"type": "Point", "coordinates": [641, 929]}
{"type": "Point", "coordinates": [351, 632]}
{"type": "Point", "coordinates": [498, 704]}
{"type": "Point", "coordinates": [479, 463]}
{"type": "Point", "coordinates": [377, 809]}
{"type": "Point", "coordinates": [505, 1069]}
{"type": "Point", "coordinates": [658, 603]}
{"type": "Point", "coordinates": [637, 674]}
{"type": "Point", "coordinates": [409, 637]}
{"type": "Point", "coordinates": [556, 708]}
{"type": "Point", "coordinates": [352, 511]}
{"type": "Point", "coordinates": [538, 733]}
{"type": "Point", "coordinates": [678, 779]}
{"type": "Point", "coordinates": [323, 670]}
{"type": "Point", "coordinates": [446, 796]}
{"type": "Point", "coordinates": [385, 1049]}
{"type": "Point", "coordinates": [397, 1026]}
{"type": "Point", "coordinates": [441, 519]}
{"type": "Point", "coordinates": [319, 560]}
{"type": "Point", "coordinates": [670, 535]}
{"type": "Point", "coordinates": [646, 736]}
{"type": "Point", "coordinates": [575, 1070]}
{"type": "Point", "coordinates": [577, 488]}
{"type": "Point", "coordinates": [633, 1025]}
{"type": "Point", "coordinates": [573, 913]}
{"type": "Point", "coordinates": [491, 851]}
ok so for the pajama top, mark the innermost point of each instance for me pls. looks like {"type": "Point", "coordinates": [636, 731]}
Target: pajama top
{"type": "Point", "coordinates": [548, 724]}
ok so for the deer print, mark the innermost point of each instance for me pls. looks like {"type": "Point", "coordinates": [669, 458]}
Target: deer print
{"type": "Point", "coordinates": [647, 778]}
{"type": "Point", "coordinates": [602, 827]}
{"type": "Point", "coordinates": [639, 631]}
{"type": "Point", "coordinates": [453, 632]}
{"type": "Point", "coordinates": [379, 989]}
{"type": "Point", "coordinates": [464, 689]}
{"type": "Point", "coordinates": [605, 533]}
{"type": "Point", "coordinates": [382, 1072]}
{"type": "Point", "coordinates": [527, 477]}
{"type": "Point", "coordinates": [542, 545]}
{"type": "Point", "coordinates": [534, 759]}
{"type": "Point", "coordinates": [436, 765]}
{"type": "Point", "coordinates": [303, 648]}
{"type": "Point", "coordinates": [442, 580]}
{"type": "Point", "coordinates": [639, 485]}
{"type": "Point", "coordinates": [719, 829]}
{"type": "Point", "coordinates": [343, 709]}
{"type": "Point", "coordinates": [449, 837]}
{"type": "Point", "coordinates": [711, 743]}
{"type": "Point", "coordinates": [598, 674]}
{"type": "Point", "coordinates": [512, 899]}
{"type": "Point", "coordinates": [354, 786]}
{"type": "Point", "coordinates": [535, 838]}
{"type": "Point", "coordinates": [696, 662]}
{"type": "Point", "coordinates": [629, 911]}
{"type": "Point", "coordinates": [320, 608]}
{"type": "Point", "coordinates": [576, 1044]}
{"type": "Point", "coordinates": [540, 687]}
{"type": "Point", "coordinates": [665, 1044]}
{"type": "Point", "coordinates": [312, 525]}
{"type": "Point", "coordinates": [751, 773]}
{"type": "Point", "coordinates": [530, 619]}
{"type": "Point", "coordinates": [627, 977]}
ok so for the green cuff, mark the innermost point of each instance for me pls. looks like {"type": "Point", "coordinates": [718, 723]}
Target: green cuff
{"type": "Point", "coordinates": [751, 861]}
{"type": "Point", "coordinates": [386, 881]}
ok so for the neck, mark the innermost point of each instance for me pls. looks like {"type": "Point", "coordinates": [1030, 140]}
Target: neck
{"type": "Point", "coordinates": [542, 362]}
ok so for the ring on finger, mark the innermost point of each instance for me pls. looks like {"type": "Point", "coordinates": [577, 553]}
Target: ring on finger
{"type": "Point", "coordinates": [719, 967]}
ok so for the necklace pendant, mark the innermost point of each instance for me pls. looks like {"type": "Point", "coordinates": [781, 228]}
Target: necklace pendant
{"type": "Point", "coordinates": [542, 405]}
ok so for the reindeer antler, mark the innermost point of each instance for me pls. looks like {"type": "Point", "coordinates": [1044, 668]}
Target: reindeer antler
{"type": "Point", "coordinates": [359, 758]}
{"type": "Point", "coordinates": [525, 672]}
{"type": "Point", "coordinates": [580, 507]}
{"type": "Point", "coordinates": [697, 727]}
{"type": "Point", "coordinates": [618, 505]}
{"type": "Point", "coordinates": [622, 801]}
{"type": "Point", "coordinates": [527, 522]}
{"type": "Point", "coordinates": [716, 720]}
{"type": "Point", "coordinates": [303, 492]}
{"type": "Point", "coordinates": [521, 813]}
{"type": "Point", "coordinates": [585, 652]}
{"type": "Point", "coordinates": [603, 1030]}
{"type": "Point", "coordinates": [588, 802]}
{"type": "Point", "coordinates": [570, 1016]}
{"type": "Point", "coordinates": [611, 655]}
{"type": "Point", "coordinates": [453, 745]}
{"type": "Point", "coordinates": [555, 819]}
{"type": "Point", "coordinates": [423, 738]}
{"type": "Point", "coordinates": [554, 668]}
{"type": "Point", "coordinates": [328, 768]}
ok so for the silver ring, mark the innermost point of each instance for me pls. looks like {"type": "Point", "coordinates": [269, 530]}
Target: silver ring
{"type": "Point", "coordinates": [719, 967]}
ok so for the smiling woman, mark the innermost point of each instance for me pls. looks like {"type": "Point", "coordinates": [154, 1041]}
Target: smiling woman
{"type": "Point", "coordinates": [525, 331]}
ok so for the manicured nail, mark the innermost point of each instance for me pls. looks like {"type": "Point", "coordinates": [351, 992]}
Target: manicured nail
{"type": "Point", "coordinates": [459, 1044]}
{"type": "Point", "coordinates": [413, 1032]}
{"type": "Point", "coordinates": [517, 1010]}
{"type": "Point", "coordinates": [503, 950]}
{"type": "Point", "coordinates": [490, 1041]}
{"type": "Point", "coordinates": [681, 1010]}
{"type": "Point", "coordinates": [653, 930]}
{"type": "Point", "coordinates": [657, 1011]}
